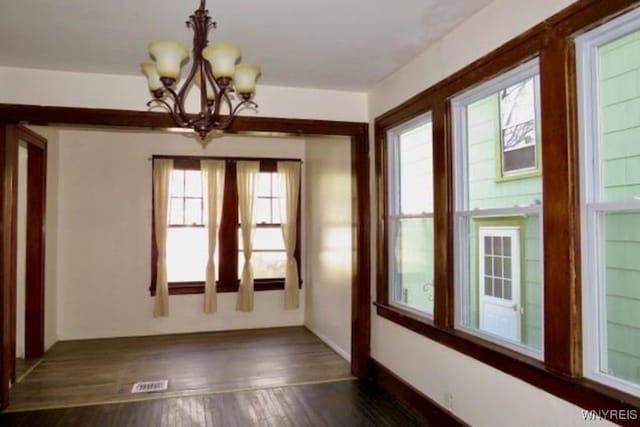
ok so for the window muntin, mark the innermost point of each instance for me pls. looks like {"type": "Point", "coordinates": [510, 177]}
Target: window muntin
{"type": "Point", "coordinates": [608, 69]}
{"type": "Point", "coordinates": [410, 215]}
{"type": "Point", "coordinates": [483, 203]}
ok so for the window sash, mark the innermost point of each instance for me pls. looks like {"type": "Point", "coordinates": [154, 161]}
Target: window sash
{"type": "Point", "coordinates": [462, 212]}
{"type": "Point", "coordinates": [594, 207]}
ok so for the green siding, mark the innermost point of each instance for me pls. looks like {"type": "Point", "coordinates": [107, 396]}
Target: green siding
{"type": "Point", "coordinates": [486, 191]}
{"type": "Point", "coordinates": [415, 245]}
{"type": "Point", "coordinates": [619, 95]}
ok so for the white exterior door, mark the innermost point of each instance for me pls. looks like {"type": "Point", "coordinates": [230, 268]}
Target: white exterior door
{"type": "Point", "coordinates": [499, 281]}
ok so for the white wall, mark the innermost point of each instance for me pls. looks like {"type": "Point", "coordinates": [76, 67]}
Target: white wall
{"type": "Point", "coordinates": [21, 256]}
{"type": "Point", "coordinates": [104, 237]}
{"type": "Point", "coordinates": [69, 89]}
{"type": "Point", "coordinates": [329, 245]}
{"type": "Point", "coordinates": [430, 367]}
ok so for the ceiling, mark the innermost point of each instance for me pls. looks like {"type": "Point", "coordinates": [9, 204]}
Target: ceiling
{"type": "Point", "coordinates": [328, 44]}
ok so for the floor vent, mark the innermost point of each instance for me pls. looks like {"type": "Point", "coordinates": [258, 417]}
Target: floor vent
{"type": "Point", "coordinates": [150, 386]}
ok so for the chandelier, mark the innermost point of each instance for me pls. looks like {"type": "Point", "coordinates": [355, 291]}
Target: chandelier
{"type": "Point", "coordinates": [214, 72]}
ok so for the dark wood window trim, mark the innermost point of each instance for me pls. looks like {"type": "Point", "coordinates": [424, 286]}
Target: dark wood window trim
{"type": "Point", "coordinates": [552, 43]}
{"type": "Point", "coordinates": [227, 239]}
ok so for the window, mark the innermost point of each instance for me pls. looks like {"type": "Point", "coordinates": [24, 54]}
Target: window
{"type": "Point", "coordinates": [187, 244]}
{"type": "Point", "coordinates": [269, 258]}
{"type": "Point", "coordinates": [498, 255]}
{"type": "Point", "coordinates": [609, 66]}
{"type": "Point", "coordinates": [187, 235]}
{"type": "Point", "coordinates": [410, 215]}
{"type": "Point", "coordinates": [518, 127]}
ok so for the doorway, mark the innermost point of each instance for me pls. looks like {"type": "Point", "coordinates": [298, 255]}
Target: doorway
{"type": "Point", "coordinates": [20, 147]}
{"type": "Point", "coordinates": [499, 280]}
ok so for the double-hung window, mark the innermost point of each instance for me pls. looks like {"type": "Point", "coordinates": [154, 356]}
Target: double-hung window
{"type": "Point", "coordinates": [498, 248]}
{"type": "Point", "coordinates": [609, 104]}
{"type": "Point", "coordinates": [187, 234]}
{"type": "Point", "coordinates": [187, 239]}
{"type": "Point", "coordinates": [269, 257]}
{"type": "Point", "coordinates": [410, 215]}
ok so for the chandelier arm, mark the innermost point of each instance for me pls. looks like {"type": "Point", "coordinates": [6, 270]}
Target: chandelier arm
{"type": "Point", "coordinates": [176, 118]}
{"type": "Point", "coordinates": [178, 109]}
{"type": "Point", "coordinates": [208, 75]}
{"type": "Point", "coordinates": [244, 104]}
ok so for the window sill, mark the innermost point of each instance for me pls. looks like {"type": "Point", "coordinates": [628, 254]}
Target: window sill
{"type": "Point", "coordinates": [191, 288]}
{"type": "Point", "coordinates": [580, 391]}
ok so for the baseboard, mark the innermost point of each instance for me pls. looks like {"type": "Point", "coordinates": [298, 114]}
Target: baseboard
{"type": "Point", "coordinates": [346, 356]}
{"type": "Point", "coordinates": [396, 386]}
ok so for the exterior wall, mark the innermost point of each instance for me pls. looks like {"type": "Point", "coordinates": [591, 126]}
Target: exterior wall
{"type": "Point", "coordinates": [429, 366]}
{"type": "Point", "coordinates": [486, 191]}
{"type": "Point", "coordinates": [329, 241]}
{"type": "Point", "coordinates": [620, 109]}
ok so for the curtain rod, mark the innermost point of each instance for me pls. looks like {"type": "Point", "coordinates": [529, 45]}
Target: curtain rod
{"type": "Point", "coordinates": [275, 159]}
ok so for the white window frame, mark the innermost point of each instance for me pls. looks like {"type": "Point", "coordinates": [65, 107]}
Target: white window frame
{"type": "Point", "coordinates": [594, 319]}
{"type": "Point", "coordinates": [463, 213]}
{"type": "Point", "coordinates": [393, 200]}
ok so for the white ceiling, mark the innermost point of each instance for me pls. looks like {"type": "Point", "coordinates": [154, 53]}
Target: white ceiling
{"type": "Point", "coordinates": [330, 44]}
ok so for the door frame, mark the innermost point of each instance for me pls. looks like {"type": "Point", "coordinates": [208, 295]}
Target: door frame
{"type": "Point", "coordinates": [358, 132]}
{"type": "Point", "coordinates": [10, 137]}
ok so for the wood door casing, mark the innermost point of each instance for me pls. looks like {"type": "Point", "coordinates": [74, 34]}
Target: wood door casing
{"type": "Point", "coordinates": [10, 136]}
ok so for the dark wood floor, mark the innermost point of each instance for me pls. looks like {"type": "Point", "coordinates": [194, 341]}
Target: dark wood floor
{"type": "Point", "coordinates": [76, 373]}
{"type": "Point", "coordinates": [341, 403]}
{"type": "Point", "coordinates": [24, 366]}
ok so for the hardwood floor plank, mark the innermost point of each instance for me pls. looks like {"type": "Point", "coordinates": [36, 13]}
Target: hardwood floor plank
{"type": "Point", "coordinates": [100, 371]}
{"type": "Point", "coordinates": [344, 403]}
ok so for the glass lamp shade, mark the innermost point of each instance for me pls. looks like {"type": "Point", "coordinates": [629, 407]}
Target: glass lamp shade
{"type": "Point", "coordinates": [169, 56]}
{"type": "Point", "coordinates": [245, 77]}
{"type": "Point", "coordinates": [223, 58]}
{"type": "Point", "coordinates": [153, 78]}
{"type": "Point", "coordinates": [197, 80]}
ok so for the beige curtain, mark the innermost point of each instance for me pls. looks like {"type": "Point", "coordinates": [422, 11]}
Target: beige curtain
{"type": "Point", "coordinates": [213, 180]}
{"type": "Point", "coordinates": [247, 175]}
{"type": "Point", "coordinates": [161, 184]}
{"type": "Point", "coordinates": [289, 174]}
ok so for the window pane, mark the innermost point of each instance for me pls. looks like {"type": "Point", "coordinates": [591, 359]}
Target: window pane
{"type": "Point", "coordinates": [501, 286]}
{"type": "Point", "coordinates": [620, 243]}
{"type": "Point", "coordinates": [262, 211]}
{"type": "Point", "coordinates": [193, 211]}
{"type": "Point", "coordinates": [518, 126]}
{"type": "Point", "coordinates": [511, 113]}
{"type": "Point", "coordinates": [263, 185]}
{"type": "Point", "coordinates": [177, 183]}
{"type": "Point", "coordinates": [266, 265]}
{"type": "Point", "coordinates": [193, 183]}
{"type": "Point", "coordinates": [186, 254]}
{"type": "Point", "coordinates": [176, 211]}
{"type": "Point", "coordinates": [619, 117]}
{"type": "Point", "coordinates": [264, 238]}
{"type": "Point", "coordinates": [414, 170]}
{"type": "Point", "coordinates": [413, 263]}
